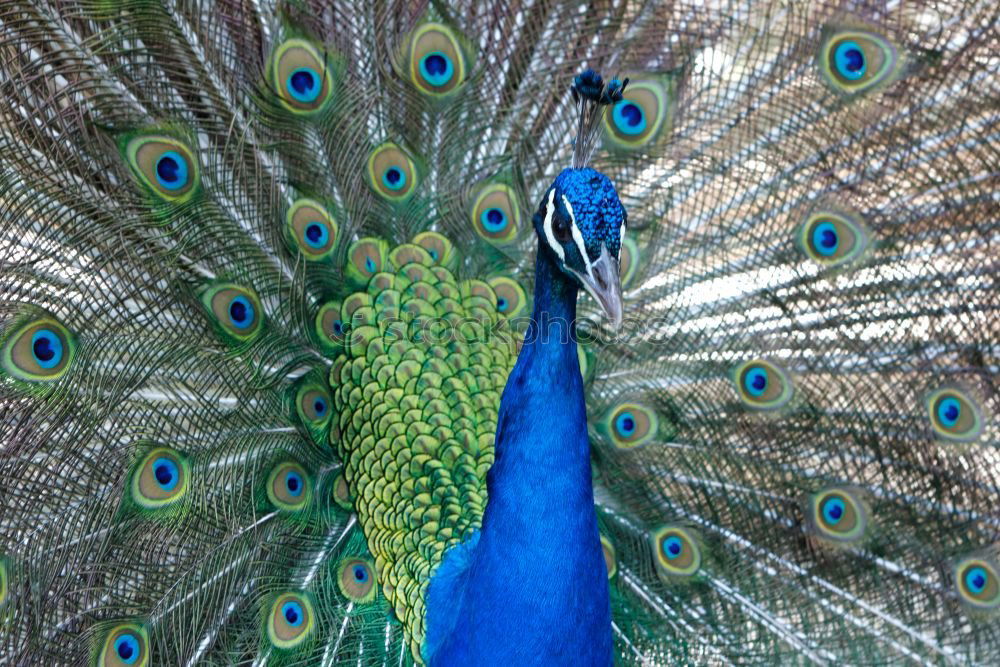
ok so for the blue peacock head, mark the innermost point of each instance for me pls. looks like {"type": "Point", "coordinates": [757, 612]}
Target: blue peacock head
{"type": "Point", "coordinates": [581, 220]}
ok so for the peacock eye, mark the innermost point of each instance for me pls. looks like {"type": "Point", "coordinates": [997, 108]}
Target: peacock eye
{"type": "Point", "coordinates": [391, 172]}
{"type": "Point", "coordinates": [126, 644]}
{"type": "Point", "coordinates": [437, 62]}
{"type": "Point", "coordinates": [164, 164]}
{"type": "Point", "coordinates": [837, 514]}
{"type": "Point", "coordinates": [288, 487]}
{"type": "Point", "coordinates": [356, 580]}
{"type": "Point", "coordinates": [235, 310]}
{"type": "Point", "coordinates": [676, 551]}
{"type": "Point", "coordinates": [511, 297]}
{"type": "Point", "coordinates": [160, 479]}
{"type": "Point", "coordinates": [311, 230]}
{"type": "Point", "coordinates": [561, 230]}
{"type": "Point", "coordinates": [832, 238]}
{"type": "Point", "coordinates": [41, 350]}
{"type": "Point", "coordinates": [301, 77]}
{"type": "Point", "coordinates": [495, 214]}
{"type": "Point", "coordinates": [312, 403]}
{"type": "Point", "coordinates": [955, 415]}
{"type": "Point", "coordinates": [853, 61]}
{"type": "Point", "coordinates": [977, 583]}
{"type": "Point", "coordinates": [290, 621]}
{"type": "Point", "coordinates": [630, 425]}
{"type": "Point", "coordinates": [763, 385]}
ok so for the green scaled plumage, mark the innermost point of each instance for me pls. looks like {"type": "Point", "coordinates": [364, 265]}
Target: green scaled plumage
{"type": "Point", "coordinates": [216, 216]}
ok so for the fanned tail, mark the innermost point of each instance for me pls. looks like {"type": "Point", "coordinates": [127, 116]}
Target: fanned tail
{"type": "Point", "coordinates": [794, 434]}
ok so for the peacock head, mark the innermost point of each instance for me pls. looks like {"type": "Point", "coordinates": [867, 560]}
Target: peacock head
{"type": "Point", "coordinates": [581, 222]}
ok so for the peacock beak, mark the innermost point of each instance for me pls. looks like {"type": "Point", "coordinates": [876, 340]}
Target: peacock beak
{"type": "Point", "coordinates": [604, 285]}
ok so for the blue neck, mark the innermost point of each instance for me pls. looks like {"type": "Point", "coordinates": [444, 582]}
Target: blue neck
{"type": "Point", "coordinates": [533, 590]}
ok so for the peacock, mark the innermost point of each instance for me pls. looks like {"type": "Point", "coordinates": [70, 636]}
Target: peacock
{"type": "Point", "coordinates": [517, 332]}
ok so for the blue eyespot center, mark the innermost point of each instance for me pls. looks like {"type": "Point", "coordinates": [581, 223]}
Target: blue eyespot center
{"type": "Point", "coordinates": [394, 178]}
{"type": "Point", "coordinates": [292, 611]}
{"type": "Point", "coordinates": [46, 348]}
{"type": "Point", "coordinates": [370, 265]}
{"type": "Point", "coordinates": [755, 381]}
{"type": "Point", "coordinates": [833, 510]}
{"type": "Point", "coordinates": [166, 474]}
{"type": "Point", "coordinates": [825, 238]}
{"type": "Point", "coordinates": [436, 68]}
{"type": "Point", "coordinates": [849, 59]}
{"type": "Point", "coordinates": [241, 312]}
{"type": "Point", "coordinates": [629, 118]}
{"type": "Point", "coordinates": [501, 304]}
{"type": "Point", "coordinates": [494, 220]}
{"type": "Point", "coordinates": [316, 234]}
{"type": "Point", "coordinates": [672, 547]}
{"type": "Point", "coordinates": [975, 579]}
{"type": "Point", "coordinates": [293, 482]}
{"type": "Point", "coordinates": [948, 411]}
{"type": "Point", "coordinates": [338, 327]}
{"type": "Point", "coordinates": [625, 424]}
{"type": "Point", "coordinates": [172, 170]}
{"type": "Point", "coordinates": [319, 407]}
{"type": "Point", "coordinates": [360, 574]}
{"type": "Point", "coordinates": [304, 85]}
{"type": "Point", "coordinates": [127, 648]}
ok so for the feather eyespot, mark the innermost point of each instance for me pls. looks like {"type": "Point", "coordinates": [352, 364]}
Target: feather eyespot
{"type": "Point", "coordinates": [288, 487]}
{"type": "Point", "coordinates": [409, 253]}
{"type": "Point", "coordinates": [833, 238]}
{"type": "Point", "coordinates": [342, 492]}
{"type": "Point", "coordinates": [496, 214]}
{"type": "Point", "coordinates": [165, 165]}
{"type": "Point", "coordinates": [511, 297]}
{"type": "Point", "coordinates": [439, 247]}
{"type": "Point", "coordinates": [584, 356]}
{"type": "Point", "coordinates": [311, 229]}
{"type": "Point", "coordinates": [356, 579]}
{"type": "Point", "coordinates": [854, 61]}
{"type": "Point", "coordinates": [437, 60]}
{"type": "Point", "coordinates": [610, 558]}
{"type": "Point", "coordinates": [631, 425]}
{"type": "Point", "coordinates": [40, 351]}
{"type": "Point", "coordinates": [330, 329]}
{"type": "Point", "coordinates": [160, 479]}
{"type": "Point", "coordinates": [762, 385]}
{"type": "Point", "coordinates": [235, 310]}
{"type": "Point", "coordinates": [315, 405]}
{"type": "Point", "coordinates": [125, 645]}
{"type": "Point", "coordinates": [954, 415]}
{"type": "Point", "coordinates": [642, 115]}
{"type": "Point", "coordinates": [301, 76]}
{"type": "Point", "coordinates": [313, 408]}
{"type": "Point", "coordinates": [838, 514]}
{"type": "Point", "coordinates": [628, 261]}
{"type": "Point", "coordinates": [290, 620]}
{"type": "Point", "coordinates": [392, 173]}
{"type": "Point", "coordinates": [365, 258]}
{"type": "Point", "coordinates": [977, 582]}
{"type": "Point", "coordinates": [676, 552]}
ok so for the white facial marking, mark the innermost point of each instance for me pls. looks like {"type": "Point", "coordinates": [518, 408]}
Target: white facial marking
{"type": "Point", "coordinates": [621, 240]}
{"type": "Point", "coordinates": [577, 236]}
{"type": "Point", "coordinates": [550, 209]}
